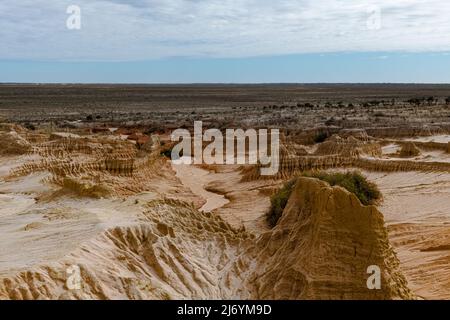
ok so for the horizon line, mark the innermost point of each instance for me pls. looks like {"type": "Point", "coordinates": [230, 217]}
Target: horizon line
{"type": "Point", "coordinates": [219, 83]}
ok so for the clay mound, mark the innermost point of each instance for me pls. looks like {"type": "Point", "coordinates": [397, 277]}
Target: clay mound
{"type": "Point", "coordinates": [13, 144]}
{"type": "Point", "coordinates": [408, 150]}
{"type": "Point", "coordinates": [359, 134]}
{"type": "Point", "coordinates": [86, 188]}
{"type": "Point", "coordinates": [428, 145]}
{"type": "Point", "coordinates": [320, 249]}
{"type": "Point", "coordinates": [349, 147]}
{"type": "Point", "coordinates": [290, 151]}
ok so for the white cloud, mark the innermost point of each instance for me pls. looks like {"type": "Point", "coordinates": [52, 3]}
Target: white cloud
{"type": "Point", "coordinates": [145, 29]}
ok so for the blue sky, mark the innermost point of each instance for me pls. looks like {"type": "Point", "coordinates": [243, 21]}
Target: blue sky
{"type": "Point", "coordinates": [331, 67]}
{"type": "Point", "coordinates": [246, 41]}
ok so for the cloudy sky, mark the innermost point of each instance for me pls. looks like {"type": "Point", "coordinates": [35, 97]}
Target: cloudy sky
{"type": "Point", "coordinates": [215, 40]}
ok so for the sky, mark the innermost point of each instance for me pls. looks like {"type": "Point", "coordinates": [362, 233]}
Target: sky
{"type": "Point", "coordinates": [224, 41]}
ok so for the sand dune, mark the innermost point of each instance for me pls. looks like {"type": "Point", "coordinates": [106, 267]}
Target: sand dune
{"type": "Point", "coordinates": [174, 251]}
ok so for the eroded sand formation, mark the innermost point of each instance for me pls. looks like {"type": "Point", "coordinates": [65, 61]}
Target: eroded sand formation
{"type": "Point", "coordinates": [88, 189]}
{"type": "Point", "coordinates": [361, 151]}
{"type": "Point", "coordinates": [416, 199]}
{"type": "Point", "coordinates": [174, 251]}
{"type": "Point", "coordinates": [120, 215]}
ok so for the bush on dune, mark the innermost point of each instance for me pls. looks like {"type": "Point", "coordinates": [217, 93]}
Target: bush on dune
{"type": "Point", "coordinates": [354, 182]}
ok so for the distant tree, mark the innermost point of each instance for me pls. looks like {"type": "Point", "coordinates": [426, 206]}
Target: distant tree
{"type": "Point", "coordinates": [321, 137]}
{"type": "Point", "coordinates": [415, 101]}
{"type": "Point", "coordinates": [29, 126]}
{"type": "Point", "coordinates": [447, 101]}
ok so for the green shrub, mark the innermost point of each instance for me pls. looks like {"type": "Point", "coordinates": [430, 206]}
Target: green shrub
{"type": "Point", "coordinates": [366, 191]}
{"type": "Point", "coordinates": [279, 201]}
{"type": "Point", "coordinates": [166, 153]}
{"type": "Point", "coordinates": [321, 137]}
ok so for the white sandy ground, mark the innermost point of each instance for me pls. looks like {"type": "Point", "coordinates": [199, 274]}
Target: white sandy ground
{"type": "Point", "coordinates": [8, 163]}
{"type": "Point", "coordinates": [196, 179]}
{"type": "Point", "coordinates": [390, 150]}
{"type": "Point", "coordinates": [35, 231]}
{"type": "Point", "coordinates": [425, 156]}
{"type": "Point", "coordinates": [444, 138]}
{"type": "Point", "coordinates": [413, 196]}
{"type": "Point", "coordinates": [249, 201]}
{"type": "Point", "coordinates": [416, 207]}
